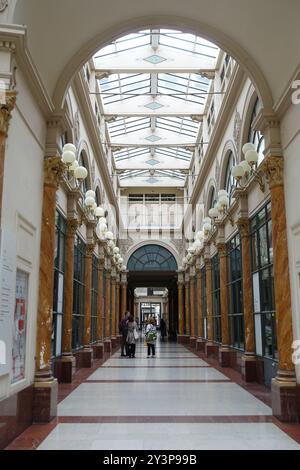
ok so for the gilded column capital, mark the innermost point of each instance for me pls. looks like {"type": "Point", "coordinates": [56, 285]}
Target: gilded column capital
{"type": "Point", "coordinates": [273, 169]}
{"type": "Point", "coordinates": [207, 262]}
{"type": "Point", "coordinates": [89, 250]}
{"type": "Point", "coordinates": [72, 226]}
{"type": "Point", "coordinates": [244, 227]}
{"type": "Point", "coordinates": [53, 171]}
{"type": "Point", "coordinates": [221, 250]}
{"type": "Point", "coordinates": [6, 110]}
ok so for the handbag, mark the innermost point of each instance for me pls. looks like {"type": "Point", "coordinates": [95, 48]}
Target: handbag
{"type": "Point", "coordinates": [135, 334]}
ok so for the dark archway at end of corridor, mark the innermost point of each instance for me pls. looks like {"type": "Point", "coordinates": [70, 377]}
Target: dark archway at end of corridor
{"type": "Point", "coordinates": [155, 266]}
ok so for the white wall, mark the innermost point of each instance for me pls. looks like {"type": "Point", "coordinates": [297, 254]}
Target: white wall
{"type": "Point", "coordinates": [22, 207]}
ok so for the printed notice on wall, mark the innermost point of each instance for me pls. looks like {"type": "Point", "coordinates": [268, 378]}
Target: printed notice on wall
{"type": "Point", "coordinates": [19, 330]}
{"type": "Point", "coordinates": [7, 298]}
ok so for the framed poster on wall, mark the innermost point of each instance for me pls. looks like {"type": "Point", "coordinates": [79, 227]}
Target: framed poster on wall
{"type": "Point", "coordinates": [19, 330]}
{"type": "Point", "coordinates": [7, 290]}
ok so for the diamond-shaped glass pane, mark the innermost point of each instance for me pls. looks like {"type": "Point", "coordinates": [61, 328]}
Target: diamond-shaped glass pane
{"type": "Point", "coordinates": [152, 162]}
{"type": "Point", "coordinates": [152, 180]}
{"type": "Point", "coordinates": [155, 59]}
{"type": "Point", "coordinates": [154, 106]}
{"type": "Point", "coordinates": [153, 138]}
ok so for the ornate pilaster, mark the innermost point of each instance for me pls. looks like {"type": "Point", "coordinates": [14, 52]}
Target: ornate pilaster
{"type": "Point", "coordinates": [5, 117]}
{"type": "Point", "coordinates": [113, 303]}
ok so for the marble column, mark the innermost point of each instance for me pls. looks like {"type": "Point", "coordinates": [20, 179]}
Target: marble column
{"type": "Point", "coordinates": [180, 308]}
{"type": "Point", "coordinates": [107, 342]}
{"type": "Point", "coordinates": [113, 309]}
{"type": "Point", "coordinates": [123, 294]}
{"type": "Point", "coordinates": [65, 366]}
{"type": "Point", "coordinates": [284, 389]}
{"type": "Point", "coordinates": [5, 117]}
{"type": "Point", "coordinates": [87, 352]}
{"type": "Point", "coordinates": [249, 360]}
{"type": "Point", "coordinates": [192, 340]}
{"type": "Point", "coordinates": [45, 386]}
{"type": "Point", "coordinates": [118, 312]}
{"type": "Point", "coordinates": [225, 354]}
{"type": "Point", "coordinates": [98, 348]}
{"type": "Point", "coordinates": [200, 343]}
{"type": "Point", "coordinates": [187, 307]}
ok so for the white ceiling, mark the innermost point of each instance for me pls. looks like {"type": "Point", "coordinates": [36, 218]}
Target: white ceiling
{"type": "Point", "coordinates": [262, 35]}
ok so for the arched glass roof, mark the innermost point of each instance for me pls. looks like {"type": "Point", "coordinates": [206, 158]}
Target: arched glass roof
{"type": "Point", "coordinates": [152, 258]}
{"type": "Point", "coordinates": [154, 86]}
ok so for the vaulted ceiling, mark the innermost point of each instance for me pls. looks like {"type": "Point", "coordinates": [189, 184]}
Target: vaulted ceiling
{"type": "Point", "coordinates": [153, 86]}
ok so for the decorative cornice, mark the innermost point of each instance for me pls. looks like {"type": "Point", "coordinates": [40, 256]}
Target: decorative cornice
{"type": "Point", "coordinates": [3, 5]}
{"type": "Point", "coordinates": [6, 110]}
{"type": "Point", "coordinates": [273, 169]}
{"type": "Point", "coordinates": [53, 171]}
{"type": "Point", "coordinates": [72, 226]}
{"type": "Point", "coordinates": [243, 225]}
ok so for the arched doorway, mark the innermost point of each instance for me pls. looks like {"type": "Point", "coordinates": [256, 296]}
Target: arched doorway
{"type": "Point", "coordinates": [152, 286]}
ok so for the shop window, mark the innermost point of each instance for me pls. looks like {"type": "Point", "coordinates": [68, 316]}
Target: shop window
{"type": "Point", "coordinates": [235, 293]}
{"type": "Point", "coordinates": [263, 284]}
{"type": "Point", "coordinates": [204, 301]}
{"type": "Point", "coordinates": [78, 293]}
{"type": "Point", "coordinates": [58, 293]}
{"type": "Point", "coordinates": [216, 290]}
{"type": "Point", "coordinates": [95, 300]}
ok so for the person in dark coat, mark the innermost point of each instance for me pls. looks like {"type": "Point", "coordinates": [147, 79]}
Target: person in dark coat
{"type": "Point", "coordinates": [163, 329]}
{"type": "Point", "coordinates": [123, 329]}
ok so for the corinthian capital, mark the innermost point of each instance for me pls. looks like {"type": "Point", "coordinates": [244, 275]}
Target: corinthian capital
{"type": "Point", "coordinates": [6, 110]}
{"type": "Point", "coordinates": [53, 171]}
{"type": "Point", "coordinates": [273, 169]}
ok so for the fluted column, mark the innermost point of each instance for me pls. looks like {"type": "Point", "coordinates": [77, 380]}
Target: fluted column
{"type": "Point", "coordinates": [45, 384]}
{"type": "Point", "coordinates": [249, 372]}
{"type": "Point", "coordinates": [224, 351]}
{"type": "Point", "coordinates": [5, 117]}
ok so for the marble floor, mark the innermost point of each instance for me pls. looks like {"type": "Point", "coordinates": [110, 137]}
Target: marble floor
{"type": "Point", "coordinates": [176, 400]}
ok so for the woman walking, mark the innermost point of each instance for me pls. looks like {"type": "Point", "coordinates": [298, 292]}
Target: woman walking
{"type": "Point", "coordinates": [131, 336]}
{"type": "Point", "coordinates": [151, 337]}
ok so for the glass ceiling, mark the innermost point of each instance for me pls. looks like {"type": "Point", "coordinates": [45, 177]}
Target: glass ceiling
{"type": "Point", "coordinates": [152, 85]}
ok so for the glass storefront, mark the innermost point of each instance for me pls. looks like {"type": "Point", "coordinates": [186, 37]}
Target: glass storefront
{"type": "Point", "coordinates": [78, 293]}
{"type": "Point", "coordinates": [235, 292]}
